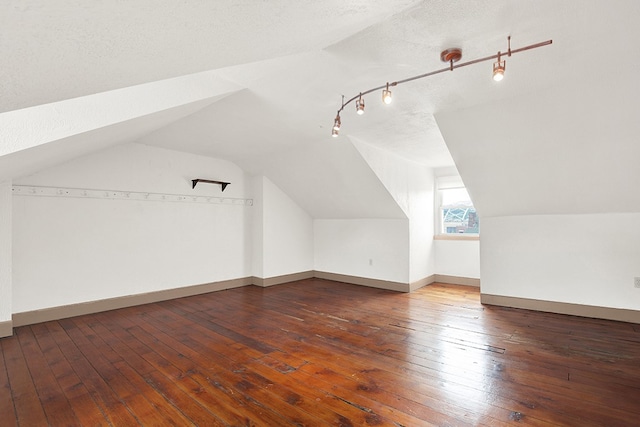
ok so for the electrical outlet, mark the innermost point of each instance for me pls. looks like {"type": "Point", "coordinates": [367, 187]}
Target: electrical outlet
{"type": "Point", "coordinates": [636, 282]}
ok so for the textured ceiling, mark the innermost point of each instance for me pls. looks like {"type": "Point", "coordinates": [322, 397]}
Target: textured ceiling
{"type": "Point", "coordinates": [55, 50]}
{"type": "Point", "coordinates": [290, 62]}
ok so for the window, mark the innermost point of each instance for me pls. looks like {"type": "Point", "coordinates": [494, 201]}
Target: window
{"type": "Point", "coordinates": [456, 214]}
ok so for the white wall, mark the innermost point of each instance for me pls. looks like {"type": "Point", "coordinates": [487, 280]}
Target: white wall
{"type": "Point", "coordinates": [553, 175]}
{"type": "Point", "coordinates": [71, 250]}
{"type": "Point", "coordinates": [584, 259]}
{"type": "Point", "coordinates": [257, 226]}
{"type": "Point", "coordinates": [412, 187]}
{"type": "Point", "coordinates": [421, 222]}
{"type": "Point", "coordinates": [287, 234]}
{"type": "Point", "coordinates": [460, 258]}
{"type": "Point", "coordinates": [5, 251]}
{"type": "Point", "coordinates": [371, 248]}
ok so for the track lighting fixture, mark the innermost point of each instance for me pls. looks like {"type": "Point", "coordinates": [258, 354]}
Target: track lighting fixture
{"type": "Point", "coordinates": [360, 106]}
{"type": "Point", "coordinates": [451, 56]}
{"type": "Point", "coordinates": [386, 95]}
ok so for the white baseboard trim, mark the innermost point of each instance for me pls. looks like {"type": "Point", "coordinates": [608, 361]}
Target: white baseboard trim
{"type": "Point", "coordinates": [413, 286]}
{"type": "Point", "coordinates": [286, 278]}
{"type": "Point", "coordinates": [619, 314]}
{"type": "Point", "coordinates": [6, 328]}
{"type": "Point", "coordinates": [55, 313]}
{"type": "Point", "coordinates": [364, 281]}
{"type": "Point", "coordinates": [457, 280]}
{"type": "Point", "coordinates": [71, 310]}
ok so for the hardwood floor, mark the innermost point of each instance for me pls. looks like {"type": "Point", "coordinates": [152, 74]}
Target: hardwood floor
{"type": "Point", "coordinates": [317, 352]}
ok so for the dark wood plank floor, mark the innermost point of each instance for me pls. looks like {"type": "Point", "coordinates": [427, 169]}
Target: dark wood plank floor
{"type": "Point", "coordinates": [317, 353]}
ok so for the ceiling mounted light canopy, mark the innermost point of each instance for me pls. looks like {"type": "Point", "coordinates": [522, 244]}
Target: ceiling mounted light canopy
{"type": "Point", "coordinates": [451, 56]}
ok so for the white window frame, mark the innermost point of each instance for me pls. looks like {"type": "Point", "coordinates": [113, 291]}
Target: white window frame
{"type": "Point", "coordinates": [448, 183]}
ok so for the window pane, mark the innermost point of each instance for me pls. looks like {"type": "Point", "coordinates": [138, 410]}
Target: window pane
{"type": "Point", "coordinates": [457, 212]}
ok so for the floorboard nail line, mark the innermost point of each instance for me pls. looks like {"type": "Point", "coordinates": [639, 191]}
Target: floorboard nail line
{"type": "Point", "coordinates": [355, 405]}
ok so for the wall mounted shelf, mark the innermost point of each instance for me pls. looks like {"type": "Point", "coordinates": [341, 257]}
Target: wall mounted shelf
{"type": "Point", "coordinates": [208, 181]}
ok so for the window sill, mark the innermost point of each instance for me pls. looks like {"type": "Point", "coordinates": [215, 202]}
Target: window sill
{"type": "Point", "coordinates": [456, 237]}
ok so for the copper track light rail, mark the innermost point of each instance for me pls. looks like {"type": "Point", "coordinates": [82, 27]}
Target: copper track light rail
{"type": "Point", "coordinates": [451, 56]}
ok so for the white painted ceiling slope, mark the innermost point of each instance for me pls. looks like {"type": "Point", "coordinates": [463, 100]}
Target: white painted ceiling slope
{"type": "Point", "coordinates": [278, 69]}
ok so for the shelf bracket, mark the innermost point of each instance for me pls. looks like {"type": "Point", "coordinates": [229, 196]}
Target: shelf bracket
{"type": "Point", "coordinates": [195, 181]}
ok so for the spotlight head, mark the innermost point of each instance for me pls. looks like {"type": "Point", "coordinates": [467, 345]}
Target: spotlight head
{"type": "Point", "coordinates": [360, 106]}
{"type": "Point", "coordinates": [336, 123]}
{"type": "Point", "coordinates": [386, 95]}
{"type": "Point", "coordinates": [498, 69]}
{"type": "Point", "coordinates": [335, 132]}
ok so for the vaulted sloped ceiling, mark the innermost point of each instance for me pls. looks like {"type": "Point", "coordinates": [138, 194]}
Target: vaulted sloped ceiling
{"type": "Point", "coordinates": [56, 50]}
{"type": "Point", "coordinates": [44, 135]}
{"type": "Point", "coordinates": [277, 71]}
{"type": "Point", "coordinates": [569, 147]}
{"type": "Point", "coordinates": [565, 151]}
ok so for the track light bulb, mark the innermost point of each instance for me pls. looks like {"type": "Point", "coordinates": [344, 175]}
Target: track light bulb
{"type": "Point", "coordinates": [386, 95]}
{"type": "Point", "coordinates": [335, 132]}
{"type": "Point", "coordinates": [498, 69]}
{"type": "Point", "coordinates": [360, 106]}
